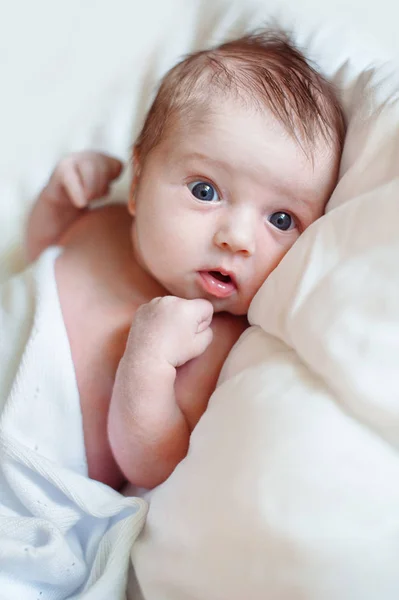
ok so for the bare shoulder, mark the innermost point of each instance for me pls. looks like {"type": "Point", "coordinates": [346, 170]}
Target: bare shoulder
{"type": "Point", "coordinates": [100, 225]}
{"type": "Point", "coordinates": [196, 380]}
{"type": "Point", "coordinates": [93, 283]}
{"type": "Point", "coordinates": [95, 247]}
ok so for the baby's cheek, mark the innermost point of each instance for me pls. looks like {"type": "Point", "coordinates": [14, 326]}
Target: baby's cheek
{"type": "Point", "coordinates": [264, 268]}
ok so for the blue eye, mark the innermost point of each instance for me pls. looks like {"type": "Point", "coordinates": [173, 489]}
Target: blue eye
{"type": "Point", "coordinates": [203, 191]}
{"type": "Point", "coordinates": [282, 221]}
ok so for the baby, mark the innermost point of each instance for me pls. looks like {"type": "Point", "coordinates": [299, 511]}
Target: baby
{"type": "Point", "coordinates": [238, 155]}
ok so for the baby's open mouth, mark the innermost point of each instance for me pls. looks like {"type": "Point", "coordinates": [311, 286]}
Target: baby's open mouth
{"type": "Point", "coordinates": [218, 275]}
{"type": "Point", "coordinates": [218, 284]}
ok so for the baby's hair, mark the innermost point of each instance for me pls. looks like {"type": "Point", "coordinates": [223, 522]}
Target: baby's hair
{"type": "Point", "coordinates": [262, 69]}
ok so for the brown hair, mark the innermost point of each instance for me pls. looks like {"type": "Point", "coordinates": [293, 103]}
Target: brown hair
{"type": "Point", "coordinates": [264, 69]}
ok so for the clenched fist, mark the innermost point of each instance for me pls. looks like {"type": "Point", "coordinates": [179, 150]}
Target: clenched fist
{"type": "Point", "coordinates": [171, 329]}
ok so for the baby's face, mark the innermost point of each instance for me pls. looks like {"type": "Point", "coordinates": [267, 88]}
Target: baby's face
{"type": "Point", "coordinates": [218, 204]}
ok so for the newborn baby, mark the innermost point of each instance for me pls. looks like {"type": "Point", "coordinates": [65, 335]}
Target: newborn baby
{"type": "Point", "coordinates": [238, 155]}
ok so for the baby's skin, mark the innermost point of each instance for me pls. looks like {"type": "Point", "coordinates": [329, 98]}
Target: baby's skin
{"type": "Point", "coordinates": [154, 294]}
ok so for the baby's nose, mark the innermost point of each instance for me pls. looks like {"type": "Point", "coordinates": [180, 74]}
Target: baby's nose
{"type": "Point", "coordinates": [237, 234]}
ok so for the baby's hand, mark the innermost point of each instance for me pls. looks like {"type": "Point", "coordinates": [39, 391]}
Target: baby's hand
{"type": "Point", "coordinates": [171, 329]}
{"type": "Point", "coordinates": [76, 181]}
{"type": "Point", "coordinates": [82, 177]}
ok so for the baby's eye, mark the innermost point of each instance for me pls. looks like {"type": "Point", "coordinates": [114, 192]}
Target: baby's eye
{"type": "Point", "coordinates": [203, 191]}
{"type": "Point", "coordinates": [282, 220]}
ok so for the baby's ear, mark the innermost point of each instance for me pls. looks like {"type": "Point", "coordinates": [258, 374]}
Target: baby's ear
{"type": "Point", "coordinates": [133, 186]}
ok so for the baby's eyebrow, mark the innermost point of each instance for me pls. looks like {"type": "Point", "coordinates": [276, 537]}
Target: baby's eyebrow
{"type": "Point", "coordinates": [303, 202]}
{"type": "Point", "coordinates": [200, 157]}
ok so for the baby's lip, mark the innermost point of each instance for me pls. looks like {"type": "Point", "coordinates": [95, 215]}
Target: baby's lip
{"type": "Point", "coordinates": [224, 272]}
{"type": "Point", "coordinates": [218, 282]}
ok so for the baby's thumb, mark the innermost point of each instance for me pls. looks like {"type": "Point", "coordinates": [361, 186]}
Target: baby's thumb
{"type": "Point", "coordinates": [115, 167]}
{"type": "Point", "coordinates": [74, 189]}
{"type": "Point", "coordinates": [203, 340]}
{"type": "Point", "coordinates": [204, 333]}
{"type": "Point", "coordinates": [205, 314]}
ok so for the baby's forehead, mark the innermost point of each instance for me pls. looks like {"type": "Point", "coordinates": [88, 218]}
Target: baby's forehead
{"type": "Point", "coordinates": [304, 112]}
{"type": "Point", "coordinates": [218, 114]}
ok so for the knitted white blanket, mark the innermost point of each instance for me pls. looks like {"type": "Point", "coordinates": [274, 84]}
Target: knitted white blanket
{"type": "Point", "coordinates": [62, 535]}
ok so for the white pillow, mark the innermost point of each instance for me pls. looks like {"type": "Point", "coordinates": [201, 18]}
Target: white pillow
{"type": "Point", "coordinates": [291, 485]}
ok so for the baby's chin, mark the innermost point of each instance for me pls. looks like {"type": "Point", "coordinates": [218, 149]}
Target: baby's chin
{"type": "Point", "coordinates": [234, 308]}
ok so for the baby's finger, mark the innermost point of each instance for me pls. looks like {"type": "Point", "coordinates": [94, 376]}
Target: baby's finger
{"type": "Point", "coordinates": [195, 346]}
{"type": "Point", "coordinates": [203, 340]}
{"type": "Point", "coordinates": [74, 188]}
{"type": "Point", "coordinates": [94, 180]}
{"type": "Point", "coordinates": [96, 175]}
{"type": "Point", "coordinates": [114, 167]}
{"type": "Point", "coordinates": [204, 311]}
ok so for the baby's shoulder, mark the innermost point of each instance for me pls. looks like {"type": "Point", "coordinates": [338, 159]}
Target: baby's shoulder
{"type": "Point", "coordinates": [103, 226]}
{"type": "Point", "coordinates": [90, 274]}
{"type": "Point", "coordinates": [95, 248]}
{"type": "Point", "coordinates": [92, 294]}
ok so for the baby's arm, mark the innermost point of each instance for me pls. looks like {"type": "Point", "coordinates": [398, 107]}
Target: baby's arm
{"type": "Point", "coordinates": [148, 432]}
{"type": "Point", "coordinates": [76, 181]}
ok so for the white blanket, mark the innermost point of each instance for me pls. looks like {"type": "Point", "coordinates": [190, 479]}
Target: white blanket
{"type": "Point", "coordinates": [62, 535]}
